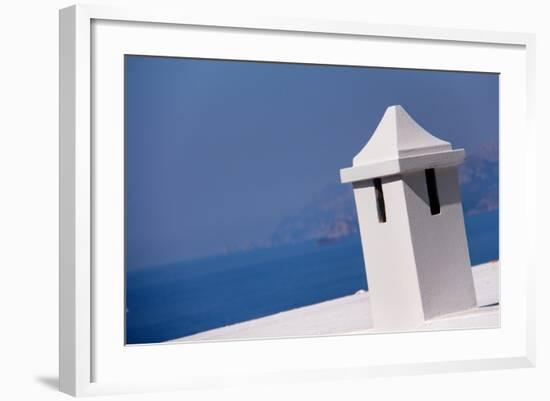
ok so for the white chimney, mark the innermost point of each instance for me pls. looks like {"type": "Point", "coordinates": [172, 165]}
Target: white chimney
{"type": "Point", "coordinates": [408, 204]}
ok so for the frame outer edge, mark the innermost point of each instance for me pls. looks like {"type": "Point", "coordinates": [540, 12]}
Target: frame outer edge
{"type": "Point", "coordinates": [67, 109]}
{"type": "Point", "coordinates": [530, 48]}
{"type": "Point", "coordinates": [74, 201]}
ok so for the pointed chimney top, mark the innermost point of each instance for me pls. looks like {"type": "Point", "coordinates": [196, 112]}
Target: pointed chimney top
{"type": "Point", "coordinates": [399, 144]}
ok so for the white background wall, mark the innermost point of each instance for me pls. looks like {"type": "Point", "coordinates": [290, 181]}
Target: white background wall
{"type": "Point", "coordinates": [29, 185]}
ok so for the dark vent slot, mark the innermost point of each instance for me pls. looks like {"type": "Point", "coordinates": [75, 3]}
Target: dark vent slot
{"type": "Point", "coordinates": [380, 204]}
{"type": "Point", "coordinates": [433, 196]}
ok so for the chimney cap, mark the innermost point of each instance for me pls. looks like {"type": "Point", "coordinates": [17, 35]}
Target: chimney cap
{"type": "Point", "coordinates": [399, 144]}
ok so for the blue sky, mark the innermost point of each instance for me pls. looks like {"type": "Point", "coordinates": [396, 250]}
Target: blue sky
{"type": "Point", "coordinates": [221, 151]}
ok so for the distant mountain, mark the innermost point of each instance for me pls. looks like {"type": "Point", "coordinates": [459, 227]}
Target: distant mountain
{"type": "Point", "coordinates": [331, 214]}
{"type": "Point", "coordinates": [479, 180]}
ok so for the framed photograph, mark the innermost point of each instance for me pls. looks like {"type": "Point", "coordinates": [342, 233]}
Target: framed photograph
{"type": "Point", "coordinates": [273, 200]}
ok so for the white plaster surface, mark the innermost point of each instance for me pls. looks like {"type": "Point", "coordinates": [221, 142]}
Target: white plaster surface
{"type": "Point", "coordinates": [352, 315]}
{"type": "Point", "coordinates": [439, 243]}
{"type": "Point", "coordinates": [389, 256]}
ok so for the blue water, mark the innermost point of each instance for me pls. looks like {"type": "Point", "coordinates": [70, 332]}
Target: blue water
{"type": "Point", "coordinates": [180, 299]}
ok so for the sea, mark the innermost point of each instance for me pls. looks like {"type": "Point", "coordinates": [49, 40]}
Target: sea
{"type": "Point", "coordinates": [180, 299]}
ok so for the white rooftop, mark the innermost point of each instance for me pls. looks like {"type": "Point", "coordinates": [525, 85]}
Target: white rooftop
{"type": "Point", "coordinates": [351, 315]}
{"type": "Point", "coordinates": [399, 144]}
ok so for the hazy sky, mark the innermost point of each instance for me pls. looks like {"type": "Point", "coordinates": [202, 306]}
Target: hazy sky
{"type": "Point", "coordinates": [218, 152]}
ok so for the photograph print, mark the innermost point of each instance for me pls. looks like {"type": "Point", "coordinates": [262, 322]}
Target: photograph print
{"type": "Point", "coordinates": [274, 200]}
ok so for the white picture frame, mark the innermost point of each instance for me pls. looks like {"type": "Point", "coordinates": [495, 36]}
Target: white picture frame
{"type": "Point", "coordinates": [93, 360]}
